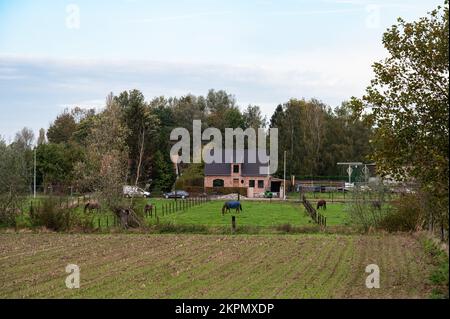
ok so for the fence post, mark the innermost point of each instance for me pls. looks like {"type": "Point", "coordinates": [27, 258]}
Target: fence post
{"type": "Point", "coordinates": [233, 224]}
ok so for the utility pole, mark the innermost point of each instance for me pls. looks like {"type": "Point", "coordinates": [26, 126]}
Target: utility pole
{"type": "Point", "coordinates": [34, 175]}
{"type": "Point", "coordinates": [284, 179]}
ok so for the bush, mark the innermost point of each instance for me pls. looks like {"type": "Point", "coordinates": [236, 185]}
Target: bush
{"type": "Point", "coordinates": [9, 209]}
{"type": "Point", "coordinates": [285, 228]}
{"type": "Point", "coordinates": [192, 176]}
{"type": "Point", "coordinates": [52, 215]}
{"type": "Point", "coordinates": [407, 214]}
{"type": "Point", "coordinates": [180, 229]}
{"type": "Point", "coordinates": [440, 274]}
{"type": "Point", "coordinates": [226, 190]}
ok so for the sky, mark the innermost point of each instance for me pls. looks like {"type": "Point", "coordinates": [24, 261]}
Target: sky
{"type": "Point", "coordinates": [61, 54]}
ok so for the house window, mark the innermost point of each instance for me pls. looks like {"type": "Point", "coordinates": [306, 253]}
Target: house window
{"type": "Point", "coordinates": [251, 183]}
{"type": "Point", "coordinates": [218, 183]}
{"type": "Point", "coordinates": [235, 168]}
{"type": "Point", "coordinates": [260, 184]}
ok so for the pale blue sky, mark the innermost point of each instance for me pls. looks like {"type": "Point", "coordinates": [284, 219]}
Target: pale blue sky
{"type": "Point", "coordinates": [264, 52]}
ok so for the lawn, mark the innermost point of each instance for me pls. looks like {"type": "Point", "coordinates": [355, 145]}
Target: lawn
{"type": "Point", "coordinates": [263, 214]}
{"type": "Point", "coordinates": [255, 213]}
{"type": "Point", "coordinates": [211, 266]}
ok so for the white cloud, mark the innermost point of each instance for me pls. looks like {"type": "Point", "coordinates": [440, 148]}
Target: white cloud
{"type": "Point", "coordinates": [51, 84]}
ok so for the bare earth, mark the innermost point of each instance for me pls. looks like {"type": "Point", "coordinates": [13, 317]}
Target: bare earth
{"type": "Point", "coordinates": [203, 266]}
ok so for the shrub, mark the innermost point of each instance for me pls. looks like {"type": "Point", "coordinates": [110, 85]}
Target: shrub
{"type": "Point", "coordinates": [407, 214]}
{"type": "Point", "coordinates": [9, 209]}
{"type": "Point", "coordinates": [439, 276]}
{"type": "Point", "coordinates": [52, 215]}
{"type": "Point", "coordinates": [179, 229]}
{"type": "Point", "coordinates": [192, 176]}
{"type": "Point", "coordinates": [286, 228]}
{"type": "Point", "coordinates": [364, 215]}
{"type": "Point", "coordinates": [226, 190]}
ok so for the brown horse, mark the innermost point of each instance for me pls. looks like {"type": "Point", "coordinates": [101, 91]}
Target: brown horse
{"type": "Point", "coordinates": [322, 203]}
{"type": "Point", "coordinates": [148, 209]}
{"type": "Point", "coordinates": [376, 204]}
{"type": "Point", "coordinates": [91, 206]}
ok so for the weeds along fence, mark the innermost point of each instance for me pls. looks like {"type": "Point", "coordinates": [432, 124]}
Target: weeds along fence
{"type": "Point", "coordinates": [73, 209]}
{"type": "Point", "coordinates": [174, 206]}
{"type": "Point", "coordinates": [45, 211]}
{"type": "Point", "coordinates": [358, 192]}
{"type": "Point", "coordinates": [317, 217]}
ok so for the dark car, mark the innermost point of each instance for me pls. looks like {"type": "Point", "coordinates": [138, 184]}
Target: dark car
{"type": "Point", "coordinates": [176, 194]}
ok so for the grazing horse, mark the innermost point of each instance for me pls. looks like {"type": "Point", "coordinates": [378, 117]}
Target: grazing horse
{"type": "Point", "coordinates": [91, 206]}
{"type": "Point", "coordinates": [322, 203]}
{"type": "Point", "coordinates": [231, 204]}
{"type": "Point", "coordinates": [148, 209]}
{"type": "Point", "coordinates": [376, 204]}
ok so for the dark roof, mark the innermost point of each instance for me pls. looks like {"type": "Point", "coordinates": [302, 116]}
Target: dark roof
{"type": "Point", "coordinates": [224, 169]}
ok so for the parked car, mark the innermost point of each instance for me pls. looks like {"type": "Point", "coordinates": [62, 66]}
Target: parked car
{"type": "Point", "coordinates": [134, 191]}
{"type": "Point", "coordinates": [176, 194]}
{"type": "Point", "coordinates": [268, 194]}
{"type": "Point", "coordinates": [349, 186]}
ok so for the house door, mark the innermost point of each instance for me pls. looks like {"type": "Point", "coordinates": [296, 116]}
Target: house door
{"type": "Point", "coordinates": [235, 182]}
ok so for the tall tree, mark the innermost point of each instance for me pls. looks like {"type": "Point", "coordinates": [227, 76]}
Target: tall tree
{"type": "Point", "coordinates": [253, 118]}
{"type": "Point", "coordinates": [62, 128]}
{"type": "Point", "coordinates": [218, 104]}
{"type": "Point", "coordinates": [407, 102]}
{"type": "Point", "coordinates": [313, 134]}
{"type": "Point", "coordinates": [142, 126]}
{"type": "Point", "coordinates": [105, 168]}
{"type": "Point", "coordinates": [41, 138]}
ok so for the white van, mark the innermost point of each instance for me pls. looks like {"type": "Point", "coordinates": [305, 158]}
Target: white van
{"type": "Point", "coordinates": [134, 191]}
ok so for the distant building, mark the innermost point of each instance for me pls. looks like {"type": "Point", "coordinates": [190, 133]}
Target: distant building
{"type": "Point", "coordinates": [242, 175]}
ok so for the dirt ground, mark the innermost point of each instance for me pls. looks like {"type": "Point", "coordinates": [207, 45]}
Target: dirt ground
{"type": "Point", "coordinates": [210, 266]}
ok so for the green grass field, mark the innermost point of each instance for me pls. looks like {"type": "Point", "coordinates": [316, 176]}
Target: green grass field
{"type": "Point", "coordinates": [262, 214]}
{"type": "Point", "coordinates": [254, 213]}
{"type": "Point", "coordinates": [211, 266]}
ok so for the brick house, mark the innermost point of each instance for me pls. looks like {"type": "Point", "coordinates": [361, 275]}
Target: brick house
{"type": "Point", "coordinates": [243, 175]}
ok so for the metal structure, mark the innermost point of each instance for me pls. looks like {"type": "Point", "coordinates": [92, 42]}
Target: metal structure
{"type": "Point", "coordinates": [365, 169]}
{"type": "Point", "coordinates": [350, 168]}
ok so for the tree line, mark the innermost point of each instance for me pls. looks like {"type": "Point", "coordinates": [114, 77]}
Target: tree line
{"type": "Point", "coordinates": [134, 133]}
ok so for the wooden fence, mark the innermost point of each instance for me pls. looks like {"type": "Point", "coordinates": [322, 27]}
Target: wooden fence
{"type": "Point", "coordinates": [316, 216]}
{"type": "Point", "coordinates": [174, 206]}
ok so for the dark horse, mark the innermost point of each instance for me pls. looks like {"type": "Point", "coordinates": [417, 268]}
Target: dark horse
{"type": "Point", "coordinates": [322, 203]}
{"type": "Point", "coordinates": [376, 204]}
{"type": "Point", "coordinates": [148, 209]}
{"type": "Point", "coordinates": [231, 204]}
{"type": "Point", "coordinates": [91, 206]}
